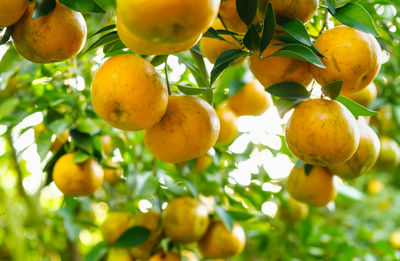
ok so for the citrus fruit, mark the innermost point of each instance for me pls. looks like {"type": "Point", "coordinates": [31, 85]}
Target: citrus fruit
{"type": "Point", "coordinates": [185, 220]}
{"type": "Point", "coordinates": [219, 242]}
{"type": "Point", "coordinates": [115, 225]}
{"type": "Point", "coordinates": [365, 156]}
{"type": "Point", "coordinates": [389, 155]}
{"type": "Point", "coordinates": [375, 186]}
{"type": "Point", "coordinates": [315, 188]}
{"type": "Point", "coordinates": [118, 254]}
{"type": "Point", "coordinates": [144, 47]}
{"type": "Point", "coordinates": [112, 175]}
{"type": "Point", "coordinates": [294, 211]}
{"type": "Point", "coordinates": [365, 96]}
{"type": "Point", "coordinates": [189, 128]}
{"type": "Point", "coordinates": [395, 239]}
{"type": "Point", "coordinates": [59, 140]}
{"type": "Point", "coordinates": [212, 48]}
{"type": "Point", "coordinates": [161, 256]}
{"type": "Point", "coordinates": [11, 11]}
{"type": "Point", "coordinates": [128, 93]}
{"type": "Point", "coordinates": [228, 125]}
{"type": "Point", "coordinates": [77, 179]}
{"type": "Point", "coordinates": [174, 21]}
{"type": "Point", "coordinates": [251, 100]}
{"type": "Point", "coordinates": [273, 70]}
{"type": "Point", "coordinates": [55, 37]}
{"type": "Point", "coordinates": [350, 55]}
{"type": "Point", "coordinates": [107, 143]}
{"type": "Point", "coordinates": [303, 10]}
{"type": "Point", "coordinates": [322, 132]}
{"type": "Point", "coordinates": [230, 16]}
{"type": "Point", "coordinates": [202, 163]}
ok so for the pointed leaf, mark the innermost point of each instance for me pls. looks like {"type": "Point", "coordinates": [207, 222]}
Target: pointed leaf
{"type": "Point", "coordinates": [247, 10]}
{"type": "Point", "coordinates": [355, 108]}
{"type": "Point", "coordinates": [285, 105]}
{"type": "Point", "coordinates": [252, 40]}
{"type": "Point", "coordinates": [297, 30]}
{"type": "Point", "coordinates": [235, 86]}
{"type": "Point", "coordinates": [289, 90]}
{"type": "Point", "coordinates": [80, 156]}
{"type": "Point", "coordinates": [43, 7]}
{"type": "Point", "coordinates": [87, 6]}
{"type": "Point", "coordinates": [97, 252]}
{"type": "Point", "coordinates": [224, 216]}
{"type": "Point", "coordinates": [268, 27]}
{"type": "Point", "coordinates": [332, 89]}
{"type": "Point", "coordinates": [299, 52]}
{"type": "Point", "coordinates": [212, 33]}
{"type": "Point", "coordinates": [105, 39]}
{"type": "Point", "coordinates": [6, 36]}
{"type": "Point", "coordinates": [104, 29]}
{"type": "Point", "coordinates": [225, 60]}
{"type": "Point", "coordinates": [132, 237]}
{"type": "Point", "coordinates": [331, 6]}
{"type": "Point", "coordinates": [189, 90]}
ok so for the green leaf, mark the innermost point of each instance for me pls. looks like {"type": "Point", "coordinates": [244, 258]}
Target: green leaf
{"type": "Point", "coordinates": [97, 252]}
{"type": "Point", "coordinates": [133, 237]}
{"type": "Point", "coordinates": [235, 86]}
{"type": "Point", "coordinates": [43, 7]}
{"type": "Point", "coordinates": [43, 143]}
{"type": "Point", "coordinates": [285, 105]}
{"type": "Point", "coordinates": [189, 90]}
{"type": "Point", "coordinates": [159, 59]}
{"type": "Point", "coordinates": [82, 140]}
{"type": "Point", "coordinates": [289, 90]}
{"type": "Point", "coordinates": [299, 52]}
{"type": "Point", "coordinates": [212, 33]}
{"type": "Point", "coordinates": [332, 89]}
{"type": "Point", "coordinates": [106, 4]}
{"type": "Point", "coordinates": [80, 156]}
{"type": "Point", "coordinates": [115, 46]}
{"type": "Point", "coordinates": [224, 216]}
{"type": "Point", "coordinates": [104, 29]}
{"type": "Point", "coordinates": [58, 126]}
{"type": "Point", "coordinates": [195, 72]}
{"type": "Point", "coordinates": [6, 36]}
{"type": "Point", "coordinates": [268, 27]}
{"type": "Point", "coordinates": [240, 215]}
{"type": "Point", "coordinates": [192, 188]}
{"type": "Point", "coordinates": [7, 106]}
{"type": "Point", "coordinates": [225, 60]}
{"type": "Point", "coordinates": [87, 125]}
{"type": "Point", "coordinates": [105, 39]}
{"type": "Point", "coordinates": [331, 6]}
{"type": "Point", "coordinates": [355, 108]}
{"type": "Point", "coordinates": [87, 6]}
{"type": "Point", "coordinates": [247, 10]}
{"type": "Point", "coordinates": [356, 16]}
{"type": "Point", "coordinates": [297, 30]}
{"type": "Point", "coordinates": [252, 40]}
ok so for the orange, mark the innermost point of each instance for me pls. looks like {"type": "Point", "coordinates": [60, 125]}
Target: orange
{"type": "Point", "coordinates": [273, 70]}
{"type": "Point", "coordinates": [115, 225]}
{"type": "Point", "coordinates": [128, 93]}
{"type": "Point", "coordinates": [230, 16]}
{"type": "Point", "coordinates": [189, 128]}
{"type": "Point", "coordinates": [161, 256]}
{"type": "Point", "coordinates": [350, 55]}
{"type": "Point", "coordinates": [219, 242]}
{"type": "Point", "coordinates": [142, 46]}
{"type": "Point", "coordinates": [202, 163]}
{"type": "Point", "coordinates": [59, 140]}
{"type": "Point", "coordinates": [212, 48]}
{"type": "Point", "coordinates": [228, 125]}
{"type": "Point", "coordinates": [389, 155]}
{"type": "Point", "coordinates": [174, 21]}
{"type": "Point", "coordinates": [375, 186]}
{"type": "Point", "coordinates": [118, 254]}
{"type": "Point", "coordinates": [77, 179]}
{"type": "Point", "coordinates": [11, 11]}
{"type": "Point", "coordinates": [55, 37]}
{"type": "Point", "coordinates": [364, 97]}
{"type": "Point", "coordinates": [107, 143]}
{"type": "Point", "coordinates": [294, 211]}
{"type": "Point", "coordinates": [303, 10]}
{"type": "Point", "coordinates": [322, 132]}
{"type": "Point", "coordinates": [395, 239]}
{"type": "Point", "coordinates": [251, 100]}
{"type": "Point", "coordinates": [315, 188]}
{"type": "Point", "coordinates": [112, 176]}
{"type": "Point", "coordinates": [185, 220]}
{"type": "Point", "coordinates": [365, 157]}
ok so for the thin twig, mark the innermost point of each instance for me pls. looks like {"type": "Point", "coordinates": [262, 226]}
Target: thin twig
{"type": "Point", "coordinates": [166, 76]}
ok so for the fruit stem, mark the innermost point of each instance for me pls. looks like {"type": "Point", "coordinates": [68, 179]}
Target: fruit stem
{"type": "Point", "coordinates": [166, 76]}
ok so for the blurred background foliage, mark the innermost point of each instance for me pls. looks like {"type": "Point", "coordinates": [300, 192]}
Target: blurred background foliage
{"type": "Point", "coordinates": [40, 104]}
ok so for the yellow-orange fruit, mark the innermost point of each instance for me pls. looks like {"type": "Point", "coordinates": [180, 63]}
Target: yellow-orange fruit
{"type": "Point", "coordinates": [212, 48]}
{"type": "Point", "coordinates": [11, 11]}
{"type": "Point", "coordinates": [230, 16]}
{"type": "Point", "coordinates": [189, 128]}
{"type": "Point", "coordinates": [77, 179]}
{"type": "Point", "coordinates": [294, 211]}
{"type": "Point", "coordinates": [273, 70]}
{"type": "Point", "coordinates": [350, 55]}
{"type": "Point", "coordinates": [112, 176]}
{"type": "Point", "coordinates": [389, 155]}
{"type": "Point", "coordinates": [58, 36]}
{"type": "Point", "coordinates": [251, 100]}
{"type": "Point", "coordinates": [59, 141]}
{"type": "Point", "coordinates": [128, 93]}
{"type": "Point", "coordinates": [364, 97]}
{"type": "Point", "coordinates": [219, 242]}
{"type": "Point", "coordinates": [115, 225]}
{"type": "Point", "coordinates": [303, 10]}
{"type": "Point", "coordinates": [119, 254]}
{"type": "Point", "coordinates": [185, 220]}
{"type": "Point", "coordinates": [228, 125]}
{"type": "Point", "coordinates": [375, 186]}
{"type": "Point", "coordinates": [174, 21]}
{"type": "Point", "coordinates": [315, 188]}
{"type": "Point", "coordinates": [322, 132]}
{"type": "Point", "coordinates": [142, 46]}
{"type": "Point", "coordinates": [395, 239]}
{"type": "Point", "coordinates": [365, 156]}
{"type": "Point", "coordinates": [202, 163]}
{"type": "Point", "coordinates": [161, 256]}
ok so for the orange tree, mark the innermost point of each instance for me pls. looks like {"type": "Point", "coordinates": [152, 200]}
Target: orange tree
{"type": "Point", "coordinates": [140, 130]}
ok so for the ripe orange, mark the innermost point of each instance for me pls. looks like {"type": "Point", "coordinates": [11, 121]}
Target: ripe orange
{"type": "Point", "coordinates": [145, 47]}
{"type": "Point", "coordinates": [185, 220]}
{"type": "Point", "coordinates": [128, 93]}
{"type": "Point", "coordinates": [118, 254]}
{"type": "Point", "coordinates": [230, 16]}
{"type": "Point", "coordinates": [228, 126]}
{"type": "Point", "coordinates": [315, 188]}
{"type": "Point", "coordinates": [273, 70]}
{"type": "Point", "coordinates": [112, 176]}
{"type": "Point", "coordinates": [364, 97]}
{"type": "Point", "coordinates": [202, 163]}
{"type": "Point", "coordinates": [11, 11]}
{"type": "Point", "coordinates": [55, 37]}
{"type": "Point", "coordinates": [251, 100]}
{"type": "Point", "coordinates": [365, 157]}
{"type": "Point", "coordinates": [303, 10]}
{"type": "Point", "coordinates": [350, 55]}
{"type": "Point", "coordinates": [294, 211]}
{"type": "Point", "coordinates": [59, 141]}
{"type": "Point", "coordinates": [77, 179]}
{"type": "Point", "coordinates": [161, 256]}
{"type": "Point", "coordinates": [322, 132]}
{"type": "Point", "coordinates": [115, 225]}
{"type": "Point", "coordinates": [389, 155]}
{"type": "Point", "coordinates": [189, 128]}
{"type": "Point", "coordinates": [174, 21]}
{"type": "Point", "coordinates": [219, 242]}
{"type": "Point", "coordinates": [212, 48]}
